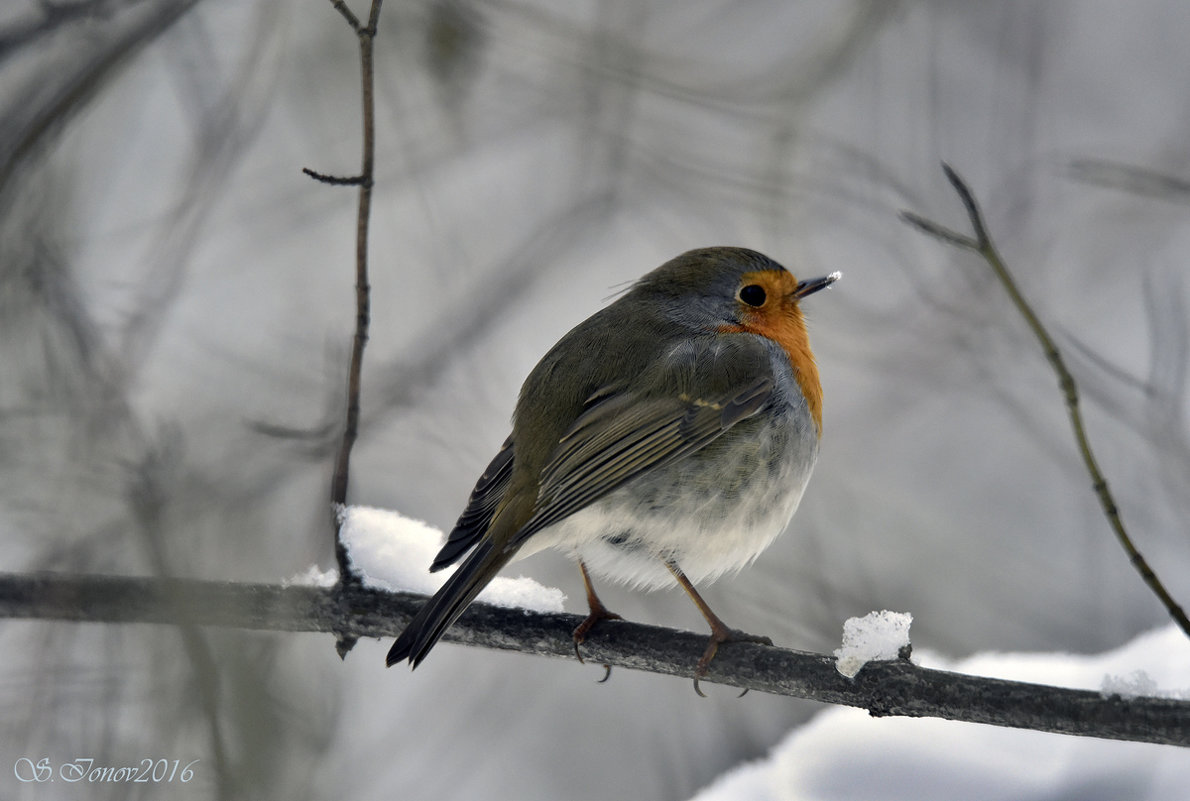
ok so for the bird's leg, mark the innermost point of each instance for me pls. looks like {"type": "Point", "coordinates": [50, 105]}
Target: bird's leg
{"type": "Point", "coordinates": [598, 612]}
{"type": "Point", "coordinates": [720, 631]}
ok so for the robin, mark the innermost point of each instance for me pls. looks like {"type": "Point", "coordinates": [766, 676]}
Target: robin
{"type": "Point", "coordinates": [667, 438]}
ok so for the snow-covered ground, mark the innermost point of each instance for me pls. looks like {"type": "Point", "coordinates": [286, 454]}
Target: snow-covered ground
{"type": "Point", "coordinates": [843, 753]}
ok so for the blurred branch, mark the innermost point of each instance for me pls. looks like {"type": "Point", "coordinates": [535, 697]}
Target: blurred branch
{"type": "Point", "coordinates": [39, 110]}
{"type": "Point", "coordinates": [1129, 178]}
{"type": "Point", "coordinates": [339, 481]}
{"type": "Point", "coordinates": [224, 116]}
{"type": "Point", "coordinates": [50, 18]}
{"type": "Point", "coordinates": [982, 245]}
{"type": "Point", "coordinates": [883, 688]}
{"type": "Point", "coordinates": [147, 500]}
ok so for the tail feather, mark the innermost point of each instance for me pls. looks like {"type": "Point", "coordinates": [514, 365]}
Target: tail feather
{"type": "Point", "coordinates": [441, 611]}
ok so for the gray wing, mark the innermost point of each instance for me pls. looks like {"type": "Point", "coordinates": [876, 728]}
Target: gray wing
{"type": "Point", "coordinates": [622, 436]}
{"type": "Point", "coordinates": [481, 506]}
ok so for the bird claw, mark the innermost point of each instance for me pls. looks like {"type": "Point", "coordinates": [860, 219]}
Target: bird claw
{"type": "Point", "coordinates": [607, 668]}
{"type": "Point", "coordinates": [718, 637]}
{"type": "Point", "coordinates": [579, 635]}
{"type": "Point", "coordinates": [701, 694]}
{"type": "Point", "coordinates": [579, 638]}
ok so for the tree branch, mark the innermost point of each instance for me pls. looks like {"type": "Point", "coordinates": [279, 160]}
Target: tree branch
{"type": "Point", "coordinates": [339, 479]}
{"type": "Point", "coordinates": [982, 245]}
{"type": "Point", "coordinates": [883, 688]}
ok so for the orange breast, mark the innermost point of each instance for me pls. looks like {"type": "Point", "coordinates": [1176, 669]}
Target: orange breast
{"type": "Point", "coordinates": [781, 321]}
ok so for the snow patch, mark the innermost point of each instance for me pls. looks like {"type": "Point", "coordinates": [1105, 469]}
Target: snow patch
{"type": "Point", "coordinates": [845, 753]}
{"type": "Point", "coordinates": [877, 636]}
{"type": "Point", "coordinates": [313, 576]}
{"type": "Point", "coordinates": [1129, 686]}
{"type": "Point", "coordinates": [1138, 684]}
{"type": "Point", "coordinates": [392, 552]}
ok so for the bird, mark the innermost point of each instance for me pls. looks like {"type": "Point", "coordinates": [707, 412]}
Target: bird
{"type": "Point", "coordinates": [667, 439]}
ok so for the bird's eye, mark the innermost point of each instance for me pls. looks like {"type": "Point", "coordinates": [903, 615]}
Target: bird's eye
{"type": "Point", "coordinates": [753, 295]}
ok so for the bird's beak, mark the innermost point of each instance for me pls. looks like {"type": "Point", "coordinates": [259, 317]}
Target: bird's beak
{"type": "Point", "coordinates": [814, 284]}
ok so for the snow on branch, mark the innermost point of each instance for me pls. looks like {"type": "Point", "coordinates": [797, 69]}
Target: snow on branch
{"type": "Point", "coordinates": [895, 687]}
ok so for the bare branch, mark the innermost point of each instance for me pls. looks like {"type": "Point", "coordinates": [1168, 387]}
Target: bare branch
{"type": "Point", "coordinates": [348, 15]}
{"type": "Point", "coordinates": [883, 688]}
{"type": "Point", "coordinates": [983, 245]}
{"type": "Point", "coordinates": [940, 232]}
{"type": "Point", "coordinates": [982, 239]}
{"type": "Point", "coordinates": [339, 480]}
{"type": "Point", "coordinates": [1128, 178]}
{"type": "Point", "coordinates": [335, 180]}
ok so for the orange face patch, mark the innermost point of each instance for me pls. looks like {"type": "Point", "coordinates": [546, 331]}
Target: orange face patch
{"type": "Point", "coordinates": [769, 308]}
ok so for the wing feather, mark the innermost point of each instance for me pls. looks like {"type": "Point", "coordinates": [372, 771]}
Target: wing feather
{"type": "Point", "coordinates": [623, 436]}
{"type": "Point", "coordinates": [481, 508]}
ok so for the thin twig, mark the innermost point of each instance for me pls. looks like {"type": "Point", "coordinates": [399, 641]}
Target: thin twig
{"type": "Point", "coordinates": [335, 180]}
{"type": "Point", "coordinates": [352, 20]}
{"type": "Point", "coordinates": [982, 245]}
{"type": "Point", "coordinates": [895, 687]}
{"type": "Point", "coordinates": [340, 478]}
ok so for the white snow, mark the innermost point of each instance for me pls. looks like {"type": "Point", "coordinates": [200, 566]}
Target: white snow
{"type": "Point", "coordinates": [844, 753]}
{"type": "Point", "coordinates": [394, 552]}
{"type": "Point", "coordinates": [875, 636]}
{"type": "Point", "coordinates": [1139, 683]}
{"type": "Point", "coordinates": [314, 576]}
{"type": "Point", "coordinates": [1133, 685]}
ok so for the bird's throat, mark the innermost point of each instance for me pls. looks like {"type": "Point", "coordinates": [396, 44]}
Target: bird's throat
{"type": "Point", "coordinates": [787, 328]}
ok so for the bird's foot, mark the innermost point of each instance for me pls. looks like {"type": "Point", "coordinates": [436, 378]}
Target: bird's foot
{"type": "Point", "coordinates": [720, 635]}
{"type": "Point", "coordinates": [583, 629]}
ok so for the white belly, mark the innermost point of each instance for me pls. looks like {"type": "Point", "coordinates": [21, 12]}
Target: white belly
{"type": "Point", "coordinates": [711, 513]}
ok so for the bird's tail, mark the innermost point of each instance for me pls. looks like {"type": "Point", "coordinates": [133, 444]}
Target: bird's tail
{"type": "Point", "coordinates": [429, 624]}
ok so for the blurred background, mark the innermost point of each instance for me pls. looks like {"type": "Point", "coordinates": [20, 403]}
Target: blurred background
{"type": "Point", "coordinates": [176, 306]}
